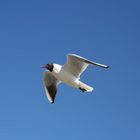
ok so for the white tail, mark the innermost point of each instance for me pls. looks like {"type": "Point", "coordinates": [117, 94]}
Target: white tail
{"type": "Point", "coordinates": [86, 87]}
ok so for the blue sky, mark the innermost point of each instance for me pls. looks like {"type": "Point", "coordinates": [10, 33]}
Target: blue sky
{"type": "Point", "coordinates": [33, 33]}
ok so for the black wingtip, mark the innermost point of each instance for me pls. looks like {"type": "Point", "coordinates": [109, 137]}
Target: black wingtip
{"type": "Point", "coordinates": [107, 67]}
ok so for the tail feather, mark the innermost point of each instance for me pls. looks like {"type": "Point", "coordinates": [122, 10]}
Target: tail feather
{"type": "Point", "coordinates": [86, 87]}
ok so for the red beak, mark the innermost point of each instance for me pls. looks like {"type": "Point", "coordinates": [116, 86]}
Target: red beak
{"type": "Point", "coordinates": [45, 66]}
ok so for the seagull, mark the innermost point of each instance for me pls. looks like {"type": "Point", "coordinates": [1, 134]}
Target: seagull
{"type": "Point", "coordinates": [69, 73]}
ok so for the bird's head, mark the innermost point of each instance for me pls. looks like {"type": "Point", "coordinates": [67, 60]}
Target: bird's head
{"type": "Point", "coordinates": [48, 66]}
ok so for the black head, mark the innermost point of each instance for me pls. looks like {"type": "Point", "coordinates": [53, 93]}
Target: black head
{"type": "Point", "coordinates": [48, 66]}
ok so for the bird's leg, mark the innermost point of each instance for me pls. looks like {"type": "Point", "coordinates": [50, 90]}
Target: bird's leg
{"type": "Point", "coordinates": [82, 89]}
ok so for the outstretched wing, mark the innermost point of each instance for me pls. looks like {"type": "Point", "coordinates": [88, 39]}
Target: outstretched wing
{"type": "Point", "coordinates": [50, 85]}
{"type": "Point", "coordinates": [77, 64]}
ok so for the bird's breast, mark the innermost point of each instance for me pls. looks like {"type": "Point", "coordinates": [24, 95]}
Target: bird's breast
{"type": "Point", "coordinates": [66, 77]}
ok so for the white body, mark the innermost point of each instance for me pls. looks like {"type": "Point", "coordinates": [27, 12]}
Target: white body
{"type": "Point", "coordinates": [62, 75]}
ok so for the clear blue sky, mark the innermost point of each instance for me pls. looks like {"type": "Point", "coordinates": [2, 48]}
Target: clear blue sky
{"type": "Point", "coordinates": [36, 32]}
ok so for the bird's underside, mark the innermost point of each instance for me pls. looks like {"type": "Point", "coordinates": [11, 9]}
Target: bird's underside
{"type": "Point", "coordinates": [71, 71]}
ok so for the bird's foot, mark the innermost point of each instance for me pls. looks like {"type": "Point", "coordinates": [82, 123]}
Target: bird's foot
{"type": "Point", "coordinates": [82, 89]}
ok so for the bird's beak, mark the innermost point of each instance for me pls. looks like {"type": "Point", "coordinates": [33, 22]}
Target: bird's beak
{"type": "Point", "coordinates": [44, 66]}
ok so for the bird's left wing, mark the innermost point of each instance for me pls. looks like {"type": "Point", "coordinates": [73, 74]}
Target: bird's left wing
{"type": "Point", "coordinates": [77, 64]}
{"type": "Point", "coordinates": [50, 85]}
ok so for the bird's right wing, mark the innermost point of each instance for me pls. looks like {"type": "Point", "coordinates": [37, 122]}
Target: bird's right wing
{"type": "Point", "coordinates": [77, 64]}
{"type": "Point", "coordinates": [50, 85]}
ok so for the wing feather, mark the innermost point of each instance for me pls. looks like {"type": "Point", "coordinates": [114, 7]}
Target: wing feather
{"type": "Point", "coordinates": [50, 85]}
{"type": "Point", "coordinates": [77, 64]}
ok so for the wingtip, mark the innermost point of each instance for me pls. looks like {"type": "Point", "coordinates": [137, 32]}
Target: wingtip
{"type": "Point", "coordinates": [51, 102]}
{"type": "Point", "coordinates": [107, 67]}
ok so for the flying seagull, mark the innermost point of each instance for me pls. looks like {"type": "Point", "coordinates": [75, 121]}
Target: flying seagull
{"type": "Point", "coordinates": [69, 73]}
